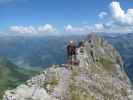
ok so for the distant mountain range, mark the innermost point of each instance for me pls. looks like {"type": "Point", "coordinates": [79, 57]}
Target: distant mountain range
{"type": "Point", "coordinates": [36, 52]}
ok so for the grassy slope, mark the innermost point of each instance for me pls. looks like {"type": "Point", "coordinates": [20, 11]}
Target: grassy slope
{"type": "Point", "coordinates": [11, 75]}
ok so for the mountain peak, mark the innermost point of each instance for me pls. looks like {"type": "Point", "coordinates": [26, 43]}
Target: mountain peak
{"type": "Point", "coordinates": [99, 76]}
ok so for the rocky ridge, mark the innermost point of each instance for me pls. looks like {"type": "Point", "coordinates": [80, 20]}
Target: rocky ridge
{"type": "Point", "coordinates": [99, 76]}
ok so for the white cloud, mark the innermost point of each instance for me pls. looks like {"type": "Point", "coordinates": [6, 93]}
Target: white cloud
{"type": "Point", "coordinates": [102, 15]}
{"type": "Point", "coordinates": [115, 21]}
{"type": "Point", "coordinates": [118, 20]}
{"type": "Point", "coordinates": [84, 29]}
{"type": "Point", "coordinates": [46, 28]}
{"type": "Point", "coordinates": [120, 16]}
{"type": "Point", "coordinates": [30, 30]}
{"type": "Point", "coordinates": [99, 28]}
{"type": "Point", "coordinates": [22, 29]}
{"type": "Point", "coordinates": [70, 28]}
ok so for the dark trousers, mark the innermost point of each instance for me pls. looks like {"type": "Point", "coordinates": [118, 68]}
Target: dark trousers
{"type": "Point", "coordinates": [72, 59]}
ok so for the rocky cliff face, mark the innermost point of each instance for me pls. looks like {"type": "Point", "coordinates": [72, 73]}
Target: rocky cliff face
{"type": "Point", "coordinates": [99, 76]}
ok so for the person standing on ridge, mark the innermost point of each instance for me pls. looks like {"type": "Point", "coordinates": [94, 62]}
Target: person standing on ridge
{"type": "Point", "coordinates": [81, 46]}
{"type": "Point", "coordinates": [71, 52]}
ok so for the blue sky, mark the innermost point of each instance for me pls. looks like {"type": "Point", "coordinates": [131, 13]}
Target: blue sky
{"type": "Point", "coordinates": [57, 13]}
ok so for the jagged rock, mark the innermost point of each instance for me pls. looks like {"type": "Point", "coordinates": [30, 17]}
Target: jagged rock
{"type": "Point", "coordinates": [99, 76]}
